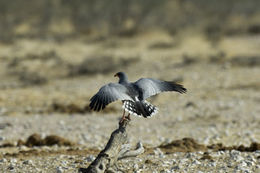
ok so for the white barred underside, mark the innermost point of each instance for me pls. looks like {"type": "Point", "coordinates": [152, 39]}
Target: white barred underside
{"type": "Point", "coordinates": [130, 106]}
{"type": "Point", "coordinates": [153, 109]}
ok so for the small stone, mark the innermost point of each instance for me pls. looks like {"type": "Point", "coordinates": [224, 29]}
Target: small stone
{"type": "Point", "coordinates": [244, 170]}
{"type": "Point", "coordinates": [175, 168]}
{"type": "Point", "coordinates": [250, 158]}
{"type": "Point", "coordinates": [200, 152]}
{"type": "Point", "coordinates": [189, 155]}
{"type": "Point", "coordinates": [61, 122]}
{"type": "Point", "coordinates": [136, 167]}
{"type": "Point", "coordinates": [139, 159]}
{"type": "Point", "coordinates": [13, 160]}
{"type": "Point", "coordinates": [22, 147]}
{"type": "Point", "coordinates": [90, 158]}
{"type": "Point", "coordinates": [243, 164]}
{"type": "Point", "coordinates": [184, 161]}
{"type": "Point", "coordinates": [220, 153]}
{"type": "Point", "coordinates": [239, 158]}
{"type": "Point", "coordinates": [37, 170]}
{"type": "Point", "coordinates": [64, 162]}
{"type": "Point", "coordinates": [11, 167]}
{"type": "Point", "coordinates": [81, 142]}
{"type": "Point", "coordinates": [250, 163]}
{"type": "Point", "coordinates": [167, 163]}
{"type": "Point", "coordinates": [222, 169]}
{"type": "Point", "coordinates": [159, 153]}
{"type": "Point", "coordinates": [161, 139]}
{"type": "Point", "coordinates": [234, 152]}
{"type": "Point", "coordinates": [212, 164]}
{"type": "Point", "coordinates": [59, 170]}
{"type": "Point", "coordinates": [3, 160]}
{"type": "Point", "coordinates": [165, 171]}
{"type": "Point", "coordinates": [196, 162]}
{"type": "Point", "coordinates": [27, 162]}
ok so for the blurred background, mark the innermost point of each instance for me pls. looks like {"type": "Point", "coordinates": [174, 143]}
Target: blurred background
{"type": "Point", "coordinates": [61, 19]}
{"type": "Point", "coordinates": [46, 41]}
{"type": "Point", "coordinates": [56, 54]}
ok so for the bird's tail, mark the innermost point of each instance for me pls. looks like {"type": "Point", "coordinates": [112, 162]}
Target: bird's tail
{"type": "Point", "coordinates": [139, 108]}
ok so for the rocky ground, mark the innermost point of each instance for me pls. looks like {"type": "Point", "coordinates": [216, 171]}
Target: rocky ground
{"type": "Point", "coordinates": [46, 125]}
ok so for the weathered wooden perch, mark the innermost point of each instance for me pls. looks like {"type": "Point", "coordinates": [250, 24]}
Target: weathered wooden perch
{"type": "Point", "coordinates": [115, 150]}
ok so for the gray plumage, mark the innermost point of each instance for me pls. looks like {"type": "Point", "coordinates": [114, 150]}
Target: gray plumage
{"type": "Point", "coordinates": [133, 94]}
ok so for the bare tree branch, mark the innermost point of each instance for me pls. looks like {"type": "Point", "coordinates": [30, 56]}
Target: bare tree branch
{"type": "Point", "coordinates": [115, 149]}
{"type": "Point", "coordinates": [127, 152]}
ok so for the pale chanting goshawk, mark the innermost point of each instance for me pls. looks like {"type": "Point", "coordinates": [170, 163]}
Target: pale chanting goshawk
{"type": "Point", "coordinates": [133, 94]}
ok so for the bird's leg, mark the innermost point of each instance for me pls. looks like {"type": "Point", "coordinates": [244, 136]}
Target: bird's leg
{"type": "Point", "coordinates": [128, 116]}
{"type": "Point", "coordinates": [123, 117]}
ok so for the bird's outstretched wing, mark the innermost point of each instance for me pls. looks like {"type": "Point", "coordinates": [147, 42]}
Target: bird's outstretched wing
{"type": "Point", "coordinates": [152, 87]}
{"type": "Point", "coordinates": [107, 94]}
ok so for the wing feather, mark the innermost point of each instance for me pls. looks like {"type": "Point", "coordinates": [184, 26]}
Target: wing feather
{"type": "Point", "coordinates": [107, 94]}
{"type": "Point", "coordinates": [152, 87]}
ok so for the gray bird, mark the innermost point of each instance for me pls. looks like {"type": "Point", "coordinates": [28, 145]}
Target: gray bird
{"type": "Point", "coordinates": [133, 94]}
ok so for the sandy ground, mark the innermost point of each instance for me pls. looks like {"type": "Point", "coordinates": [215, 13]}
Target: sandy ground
{"type": "Point", "coordinates": [46, 85]}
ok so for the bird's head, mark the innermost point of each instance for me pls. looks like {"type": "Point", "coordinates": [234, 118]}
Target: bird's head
{"type": "Point", "coordinates": [122, 76]}
{"type": "Point", "coordinates": [119, 74]}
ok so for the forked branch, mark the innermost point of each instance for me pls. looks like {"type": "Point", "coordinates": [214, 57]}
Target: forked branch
{"type": "Point", "coordinates": [115, 150]}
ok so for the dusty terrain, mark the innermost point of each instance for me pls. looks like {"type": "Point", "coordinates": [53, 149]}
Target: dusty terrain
{"type": "Point", "coordinates": [46, 85]}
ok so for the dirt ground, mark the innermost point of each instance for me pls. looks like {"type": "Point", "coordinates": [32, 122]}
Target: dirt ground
{"type": "Point", "coordinates": [46, 86]}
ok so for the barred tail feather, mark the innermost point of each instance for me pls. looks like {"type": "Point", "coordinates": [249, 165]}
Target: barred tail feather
{"type": "Point", "coordinates": [130, 106]}
{"type": "Point", "coordinates": [138, 108]}
{"type": "Point", "coordinates": [150, 109]}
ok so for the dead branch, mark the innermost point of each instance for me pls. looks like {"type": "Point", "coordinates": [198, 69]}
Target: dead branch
{"type": "Point", "coordinates": [127, 152]}
{"type": "Point", "coordinates": [115, 149]}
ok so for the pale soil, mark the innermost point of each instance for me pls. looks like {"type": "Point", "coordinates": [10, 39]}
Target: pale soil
{"type": "Point", "coordinates": [221, 105]}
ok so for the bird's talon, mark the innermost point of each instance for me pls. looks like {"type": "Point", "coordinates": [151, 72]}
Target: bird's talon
{"type": "Point", "coordinates": [128, 117]}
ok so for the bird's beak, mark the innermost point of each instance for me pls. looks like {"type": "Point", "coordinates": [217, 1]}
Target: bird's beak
{"type": "Point", "coordinates": [116, 75]}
